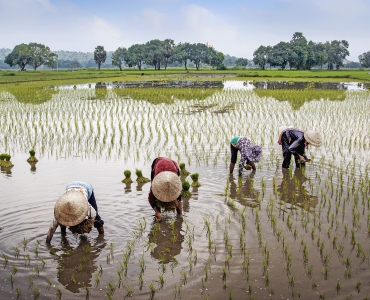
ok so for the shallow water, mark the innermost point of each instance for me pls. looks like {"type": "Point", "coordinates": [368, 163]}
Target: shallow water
{"type": "Point", "coordinates": [256, 225]}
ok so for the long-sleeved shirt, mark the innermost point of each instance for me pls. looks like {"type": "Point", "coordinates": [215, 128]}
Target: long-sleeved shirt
{"type": "Point", "coordinates": [159, 165]}
{"type": "Point", "coordinates": [296, 141]}
{"type": "Point", "coordinates": [87, 190]}
{"type": "Point", "coordinates": [247, 152]}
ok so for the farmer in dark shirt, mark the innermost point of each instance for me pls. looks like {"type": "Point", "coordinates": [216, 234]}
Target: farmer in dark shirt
{"type": "Point", "coordinates": [295, 141]}
{"type": "Point", "coordinates": [166, 187]}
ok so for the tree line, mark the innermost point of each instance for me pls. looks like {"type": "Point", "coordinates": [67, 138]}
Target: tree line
{"type": "Point", "coordinates": [298, 54]}
{"type": "Point", "coordinates": [301, 54]}
{"type": "Point", "coordinates": [156, 53]}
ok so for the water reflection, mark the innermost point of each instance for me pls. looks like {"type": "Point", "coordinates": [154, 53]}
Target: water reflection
{"type": "Point", "coordinates": [293, 190]}
{"type": "Point", "coordinates": [242, 190]}
{"type": "Point", "coordinates": [76, 265]}
{"type": "Point", "coordinates": [32, 94]}
{"type": "Point", "coordinates": [168, 239]}
{"type": "Point", "coordinates": [33, 167]}
{"type": "Point", "coordinates": [101, 90]}
{"type": "Point", "coordinates": [128, 188]}
{"type": "Point", "coordinates": [6, 171]}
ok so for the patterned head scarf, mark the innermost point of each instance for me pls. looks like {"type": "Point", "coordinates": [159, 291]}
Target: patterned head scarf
{"type": "Point", "coordinates": [254, 153]}
{"type": "Point", "coordinates": [234, 140]}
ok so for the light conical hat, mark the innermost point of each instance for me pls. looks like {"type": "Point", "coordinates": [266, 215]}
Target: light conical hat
{"type": "Point", "coordinates": [313, 138]}
{"type": "Point", "coordinates": [71, 208]}
{"type": "Point", "coordinates": [166, 186]}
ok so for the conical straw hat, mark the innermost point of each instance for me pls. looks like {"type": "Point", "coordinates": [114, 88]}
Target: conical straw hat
{"type": "Point", "coordinates": [166, 186]}
{"type": "Point", "coordinates": [313, 138]}
{"type": "Point", "coordinates": [71, 208]}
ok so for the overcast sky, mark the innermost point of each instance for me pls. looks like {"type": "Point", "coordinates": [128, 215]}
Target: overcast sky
{"type": "Point", "coordinates": [233, 27]}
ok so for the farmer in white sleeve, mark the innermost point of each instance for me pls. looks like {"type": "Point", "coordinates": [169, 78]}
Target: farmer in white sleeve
{"type": "Point", "coordinates": [77, 209]}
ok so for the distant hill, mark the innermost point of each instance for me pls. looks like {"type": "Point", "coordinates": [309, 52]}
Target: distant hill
{"type": "Point", "coordinates": [4, 52]}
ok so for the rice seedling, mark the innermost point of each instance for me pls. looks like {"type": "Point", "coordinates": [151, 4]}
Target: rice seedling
{"type": "Point", "coordinates": [16, 250]}
{"type": "Point", "coordinates": [49, 283]}
{"type": "Point", "coordinates": [36, 270]}
{"type": "Point", "coordinates": [184, 277]}
{"type": "Point", "coordinates": [36, 292]}
{"type": "Point", "coordinates": [97, 277]}
{"type": "Point", "coordinates": [18, 291]}
{"type": "Point", "coordinates": [112, 286]}
{"type": "Point", "coordinates": [24, 242]}
{"type": "Point", "coordinates": [5, 258]}
{"type": "Point", "coordinates": [185, 189]}
{"type": "Point", "coordinates": [127, 178]}
{"type": "Point", "coordinates": [152, 290]}
{"type": "Point", "coordinates": [58, 293]}
{"type": "Point", "coordinates": [30, 281]}
{"type": "Point", "coordinates": [358, 286]}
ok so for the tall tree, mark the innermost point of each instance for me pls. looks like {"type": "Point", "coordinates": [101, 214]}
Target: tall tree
{"type": "Point", "coordinates": [279, 55]}
{"type": "Point", "coordinates": [168, 46]}
{"type": "Point", "coordinates": [182, 53]}
{"type": "Point", "coordinates": [215, 59]}
{"type": "Point", "coordinates": [321, 55]}
{"type": "Point", "coordinates": [136, 56]}
{"type": "Point", "coordinates": [261, 56]}
{"type": "Point", "coordinates": [40, 55]}
{"type": "Point", "coordinates": [19, 56]}
{"type": "Point", "coordinates": [364, 59]}
{"type": "Point", "coordinates": [33, 54]}
{"type": "Point", "coordinates": [199, 54]}
{"type": "Point", "coordinates": [118, 57]}
{"type": "Point", "coordinates": [311, 55]}
{"type": "Point", "coordinates": [155, 53]}
{"type": "Point", "coordinates": [241, 62]}
{"type": "Point", "coordinates": [100, 55]}
{"type": "Point", "coordinates": [337, 51]}
{"type": "Point", "coordinates": [299, 47]}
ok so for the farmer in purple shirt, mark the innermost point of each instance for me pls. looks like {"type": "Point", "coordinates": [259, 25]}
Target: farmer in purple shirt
{"type": "Point", "coordinates": [250, 153]}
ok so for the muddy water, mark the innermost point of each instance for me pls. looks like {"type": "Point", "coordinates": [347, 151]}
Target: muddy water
{"type": "Point", "coordinates": [271, 234]}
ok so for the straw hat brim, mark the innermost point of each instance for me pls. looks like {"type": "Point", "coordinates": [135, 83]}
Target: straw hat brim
{"type": "Point", "coordinates": [71, 208]}
{"type": "Point", "coordinates": [313, 138]}
{"type": "Point", "coordinates": [166, 186]}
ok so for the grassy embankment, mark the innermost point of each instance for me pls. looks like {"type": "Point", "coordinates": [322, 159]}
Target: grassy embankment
{"type": "Point", "coordinates": [92, 75]}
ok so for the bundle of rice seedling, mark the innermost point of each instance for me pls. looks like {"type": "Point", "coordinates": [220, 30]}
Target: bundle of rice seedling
{"type": "Point", "coordinates": [140, 177]}
{"type": "Point", "coordinates": [185, 190]}
{"type": "Point", "coordinates": [5, 161]}
{"type": "Point", "coordinates": [167, 206]}
{"type": "Point", "coordinates": [195, 182]}
{"type": "Point", "coordinates": [127, 179]}
{"type": "Point", "coordinates": [84, 227]}
{"type": "Point", "coordinates": [32, 157]}
{"type": "Point", "coordinates": [183, 171]}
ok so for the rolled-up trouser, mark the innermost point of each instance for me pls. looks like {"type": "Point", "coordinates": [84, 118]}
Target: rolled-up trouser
{"type": "Point", "coordinates": [98, 221]}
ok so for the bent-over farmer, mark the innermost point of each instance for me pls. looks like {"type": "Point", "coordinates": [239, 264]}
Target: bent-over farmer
{"type": "Point", "coordinates": [166, 187]}
{"type": "Point", "coordinates": [77, 209]}
{"type": "Point", "coordinates": [295, 141]}
{"type": "Point", "coordinates": [250, 153]}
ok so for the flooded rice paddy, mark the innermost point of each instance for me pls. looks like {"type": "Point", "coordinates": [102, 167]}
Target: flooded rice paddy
{"type": "Point", "coordinates": [300, 234]}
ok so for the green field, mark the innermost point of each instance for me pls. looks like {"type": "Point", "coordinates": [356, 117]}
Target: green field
{"type": "Point", "coordinates": [94, 75]}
